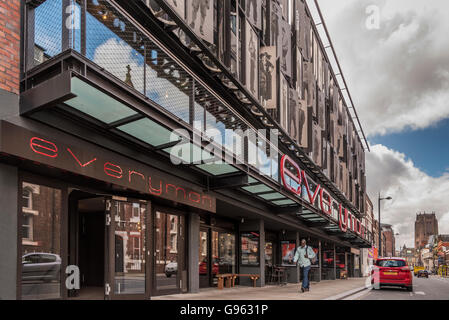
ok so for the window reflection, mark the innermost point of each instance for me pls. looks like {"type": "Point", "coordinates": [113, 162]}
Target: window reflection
{"type": "Point", "coordinates": [41, 242]}
{"type": "Point", "coordinates": [223, 253]}
{"type": "Point", "coordinates": [129, 248]}
{"type": "Point", "coordinates": [167, 251]}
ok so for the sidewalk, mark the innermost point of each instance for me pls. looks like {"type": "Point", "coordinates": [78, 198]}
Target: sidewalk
{"type": "Point", "coordinates": [328, 289]}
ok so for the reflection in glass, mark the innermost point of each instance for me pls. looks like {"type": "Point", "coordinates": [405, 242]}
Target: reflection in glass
{"type": "Point", "coordinates": [223, 254]}
{"type": "Point", "coordinates": [269, 259]}
{"type": "Point", "coordinates": [129, 253]}
{"type": "Point", "coordinates": [167, 256]}
{"type": "Point", "coordinates": [41, 242]}
{"type": "Point", "coordinates": [47, 31]}
{"type": "Point", "coordinates": [203, 257]}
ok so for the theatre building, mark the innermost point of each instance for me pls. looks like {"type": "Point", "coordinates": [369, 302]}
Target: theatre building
{"type": "Point", "coordinates": [116, 168]}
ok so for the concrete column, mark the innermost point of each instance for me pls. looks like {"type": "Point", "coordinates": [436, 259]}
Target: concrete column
{"type": "Point", "coordinates": [255, 226]}
{"type": "Point", "coordinates": [8, 232]}
{"type": "Point", "coordinates": [193, 245]}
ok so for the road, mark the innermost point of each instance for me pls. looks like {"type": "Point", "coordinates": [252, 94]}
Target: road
{"type": "Point", "coordinates": [433, 288]}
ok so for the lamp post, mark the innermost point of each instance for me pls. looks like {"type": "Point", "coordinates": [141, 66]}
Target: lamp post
{"type": "Point", "coordinates": [380, 228]}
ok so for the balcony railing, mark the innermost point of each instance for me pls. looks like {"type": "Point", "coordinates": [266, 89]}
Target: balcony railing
{"type": "Point", "coordinates": [99, 31]}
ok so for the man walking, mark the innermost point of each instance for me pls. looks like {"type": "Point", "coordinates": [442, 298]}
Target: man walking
{"type": "Point", "coordinates": [304, 254]}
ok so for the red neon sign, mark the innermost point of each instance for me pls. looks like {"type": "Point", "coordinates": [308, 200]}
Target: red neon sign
{"type": "Point", "coordinates": [118, 172]}
{"type": "Point", "coordinates": [295, 176]}
{"type": "Point", "coordinates": [345, 219]}
{"type": "Point", "coordinates": [79, 162]}
{"type": "Point", "coordinates": [44, 147]}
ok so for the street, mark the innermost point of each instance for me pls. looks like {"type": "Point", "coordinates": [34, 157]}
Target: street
{"type": "Point", "coordinates": [433, 288]}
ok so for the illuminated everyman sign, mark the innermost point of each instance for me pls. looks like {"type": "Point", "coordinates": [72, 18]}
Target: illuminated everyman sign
{"type": "Point", "coordinates": [92, 161]}
{"type": "Point", "coordinates": [290, 171]}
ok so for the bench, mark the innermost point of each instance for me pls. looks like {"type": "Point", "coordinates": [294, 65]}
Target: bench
{"type": "Point", "coordinates": [222, 277]}
{"type": "Point", "coordinates": [253, 277]}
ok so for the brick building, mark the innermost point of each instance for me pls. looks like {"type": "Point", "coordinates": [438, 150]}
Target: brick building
{"type": "Point", "coordinates": [388, 231]}
{"type": "Point", "coordinates": [10, 45]}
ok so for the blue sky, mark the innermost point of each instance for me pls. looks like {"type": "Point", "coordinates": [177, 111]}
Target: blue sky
{"type": "Point", "coordinates": [427, 148]}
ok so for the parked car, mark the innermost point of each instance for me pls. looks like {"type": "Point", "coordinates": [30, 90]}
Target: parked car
{"type": "Point", "coordinates": [171, 268]}
{"type": "Point", "coordinates": [416, 269]}
{"type": "Point", "coordinates": [392, 272]}
{"type": "Point", "coordinates": [203, 267]}
{"type": "Point", "coordinates": [423, 274]}
{"type": "Point", "coordinates": [41, 266]}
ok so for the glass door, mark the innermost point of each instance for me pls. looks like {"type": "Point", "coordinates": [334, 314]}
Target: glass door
{"type": "Point", "coordinates": [127, 266]}
{"type": "Point", "coordinates": [170, 273]}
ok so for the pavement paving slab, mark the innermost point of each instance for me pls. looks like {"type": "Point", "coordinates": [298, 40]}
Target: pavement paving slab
{"type": "Point", "coordinates": [318, 291]}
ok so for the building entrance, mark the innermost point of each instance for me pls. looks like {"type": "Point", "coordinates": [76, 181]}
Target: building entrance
{"type": "Point", "coordinates": [108, 242]}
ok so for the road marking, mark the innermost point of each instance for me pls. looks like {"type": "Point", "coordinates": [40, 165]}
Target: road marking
{"type": "Point", "coordinates": [420, 293]}
{"type": "Point", "coordinates": [359, 295]}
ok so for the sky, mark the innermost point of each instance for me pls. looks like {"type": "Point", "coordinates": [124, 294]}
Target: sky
{"type": "Point", "coordinates": [397, 70]}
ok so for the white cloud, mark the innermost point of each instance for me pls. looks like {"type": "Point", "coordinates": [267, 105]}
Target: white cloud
{"type": "Point", "coordinates": [412, 190]}
{"type": "Point", "coordinates": [398, 75]}
{"type": "Point", "coordinates": [159, 89]}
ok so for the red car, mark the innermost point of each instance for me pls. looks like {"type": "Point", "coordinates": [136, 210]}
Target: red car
{"type": "Point", "coordinates": [392, 272]}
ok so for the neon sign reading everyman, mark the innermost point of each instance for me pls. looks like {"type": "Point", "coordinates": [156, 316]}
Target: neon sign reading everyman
{"type": "Point", "coordinates": [155, 187]}
{"type": "Point", "coordinates": [95, 162]}
{"type": "Point", "coordinates": [346, 220]}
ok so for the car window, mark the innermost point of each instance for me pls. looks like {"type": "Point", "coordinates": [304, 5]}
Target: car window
{"type": "Point", "coordinates": [34, 258]}
{"type": "Point", "coordinates": [391, 263]}
{"type": "Point", "coordinates": [47, 258]}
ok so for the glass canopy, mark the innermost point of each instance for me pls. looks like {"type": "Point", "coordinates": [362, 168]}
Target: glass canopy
{"type": "Point", "coordinates": [97, 104]}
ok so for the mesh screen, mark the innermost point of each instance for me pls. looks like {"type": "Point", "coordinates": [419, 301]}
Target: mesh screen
{"type": "Point", "coordinates": [47, 31]}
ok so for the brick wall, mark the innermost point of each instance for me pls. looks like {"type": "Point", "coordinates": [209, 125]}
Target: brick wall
{"type": "Point", "coordinates": [10, 45]}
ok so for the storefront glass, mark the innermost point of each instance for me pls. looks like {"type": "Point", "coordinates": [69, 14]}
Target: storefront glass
{"type": "Point", "coordinates": [269, 258]}
{"type": "Point", "coordinates": [223, 253]}
{"type": "Point", "coordinates": [341, 263]}
{"type": "Point", "coordinates": [327, 261]}
{"type": "Point", "coordinates": [203, 257]}
{"type": "Point", "coordinates": [168, 254]}
{"type": "Point", "coordinates": [249, 249]}
{"type": "Point", "coordinates": [129, 250]}
{"type": "Point", "coordinates": [41, 242]}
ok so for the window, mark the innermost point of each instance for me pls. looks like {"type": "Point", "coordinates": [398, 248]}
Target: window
{"type": "Point", "coordinates": [136, 248]}
{"type": "Point", "coordinates": [27, 197]}
{"type": "Point", "coordinates": [173, 224]}
{"type": "Point", "coordinates": [249, 248]}
{"type": "Point", "coordinates": [41, 242]}
{"type": "Point", "coordinates": [391, 263]}
{"type": "Point", "coordinates": [173, 243]}
{"type": "Point", "coordinates": [27, 227]}
{"type": "Point", "coordinates": [136, 211]}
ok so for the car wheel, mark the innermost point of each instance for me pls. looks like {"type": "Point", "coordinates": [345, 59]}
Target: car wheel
{"type": "Point", "coordinates": [168, 275]}
{"type": "Point", "coordinates": [410, 289]}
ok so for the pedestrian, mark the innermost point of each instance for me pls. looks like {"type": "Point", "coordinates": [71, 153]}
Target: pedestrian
{"type": "Point", "coordinates": [304, 256]}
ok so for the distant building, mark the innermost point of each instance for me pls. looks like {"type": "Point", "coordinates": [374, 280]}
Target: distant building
{"type": "Point", "coordinates": [388, 232]}
{"type": "Point", "coordinates": [408, 254]}
{"type": "Point", "coordinates": [426, 225]}
{"type": "Point", "coordinates": [368, 255]}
